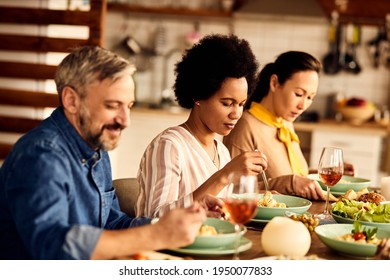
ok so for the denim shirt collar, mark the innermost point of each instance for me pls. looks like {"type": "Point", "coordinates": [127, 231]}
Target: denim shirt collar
{"type": "Point", "coordinates": [82, 149]}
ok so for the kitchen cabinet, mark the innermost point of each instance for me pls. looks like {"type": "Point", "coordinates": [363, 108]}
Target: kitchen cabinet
{"type": "Point", "coordinates": [362, 150]}
{"type": "Point", "coordinates": [145, 125]}
{"type": "Point", "coordinates": [366, 146]}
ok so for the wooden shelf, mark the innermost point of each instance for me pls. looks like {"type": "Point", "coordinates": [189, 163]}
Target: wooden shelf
{"type": "Point", "coordinates": [361, 12]}
{"type": "Point", "coordinates": [168, 11]}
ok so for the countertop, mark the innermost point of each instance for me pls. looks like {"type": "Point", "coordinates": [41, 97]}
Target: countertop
{"type": "Point", "coordinates": [371, 128]}
{"type": "Point", "coordinates": [158, 110]}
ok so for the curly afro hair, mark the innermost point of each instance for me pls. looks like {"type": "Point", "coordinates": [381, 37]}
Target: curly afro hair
{"type": "Point", "coordinates": [204, 67]}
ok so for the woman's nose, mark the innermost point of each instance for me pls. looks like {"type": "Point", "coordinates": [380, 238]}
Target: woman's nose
{"type": "Point", "coordinates": [303, 104]}
{"type": "Point", "coordinates": [236, 112]}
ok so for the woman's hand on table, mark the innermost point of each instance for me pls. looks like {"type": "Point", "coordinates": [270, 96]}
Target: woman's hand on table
{"type": "Point", "coordinates": [307, 188]}
{"type": "Point", "coordinates": [349, 169]}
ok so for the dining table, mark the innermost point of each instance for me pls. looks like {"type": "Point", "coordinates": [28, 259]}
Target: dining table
{"type": "Point", "coordinates": [318, 250]}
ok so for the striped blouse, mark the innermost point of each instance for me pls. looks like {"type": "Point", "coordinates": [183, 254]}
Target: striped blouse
{"type": "Point", "coordinates": [172, 167]}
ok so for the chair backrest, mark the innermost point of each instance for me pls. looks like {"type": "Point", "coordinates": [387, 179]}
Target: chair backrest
{"type": "Point", "coordinates": [126, 190]}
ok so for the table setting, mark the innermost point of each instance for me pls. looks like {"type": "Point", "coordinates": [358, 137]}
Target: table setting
{"type": "Point", "coordinates": [278, 226]}
{"type": "Point", "coordinates": [323, 243]}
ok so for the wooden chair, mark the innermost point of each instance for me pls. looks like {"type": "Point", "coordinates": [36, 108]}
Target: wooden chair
{"type": "Point", "coordinates": [14, 71]}
{"type": "Point", "coordinates": [126, 190]}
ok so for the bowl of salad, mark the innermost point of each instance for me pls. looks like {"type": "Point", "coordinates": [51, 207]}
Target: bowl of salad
{"type": "Point", "coordinates": [367, 213]}
{"type": "Point", "coordinates": [352, 240]}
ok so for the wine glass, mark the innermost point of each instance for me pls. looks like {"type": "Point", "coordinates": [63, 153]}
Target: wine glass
{"type": "Point", "coordinates": [241, 204]}
{"type": "Point", "coordinates": [330, 171]}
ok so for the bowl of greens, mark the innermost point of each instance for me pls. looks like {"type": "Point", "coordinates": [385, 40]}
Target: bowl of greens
{"type": "Point", "coordinates": [348, 211]}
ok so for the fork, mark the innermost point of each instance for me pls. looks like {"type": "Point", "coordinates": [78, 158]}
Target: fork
{"type": "Point", "coordinates": [265, 180]}
{"type": "Point", "coordinates": [264, 177]}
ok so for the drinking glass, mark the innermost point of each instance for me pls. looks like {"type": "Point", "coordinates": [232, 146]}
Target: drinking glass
{"type": "Point", "coordinates": [241, 204]}
{"type": "Point", "coordinates": [330, 171]}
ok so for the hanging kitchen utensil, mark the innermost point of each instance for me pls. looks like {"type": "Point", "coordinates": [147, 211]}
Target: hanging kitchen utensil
{"type": "Point", "coordinates": [140, 56]}
{"type": "Point", "coordinates": [387, 52]}
{"type": "Point", "coordinates": [352, 40]}
{"type": "Point", "coordinates": [331, 59]}
{"type": "Point", "coordinates": [375, 45]}
{"type": "Point", "coordinates": [134, 48]}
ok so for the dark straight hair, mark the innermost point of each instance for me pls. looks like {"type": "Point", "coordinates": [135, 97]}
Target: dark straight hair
{"type": "Point", "coordinates": [284, 67]}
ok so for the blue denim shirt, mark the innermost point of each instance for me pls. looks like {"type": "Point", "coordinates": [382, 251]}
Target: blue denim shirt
{"type": "Point", "coordinates": [56, 195]}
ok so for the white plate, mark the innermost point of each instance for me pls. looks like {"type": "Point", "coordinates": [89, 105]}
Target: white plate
{"type": "Point", "coordinates": [245, 244]}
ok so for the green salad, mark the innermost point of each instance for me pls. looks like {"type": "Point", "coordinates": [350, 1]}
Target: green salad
{"type": "Point", "coordinates": [362, 211]}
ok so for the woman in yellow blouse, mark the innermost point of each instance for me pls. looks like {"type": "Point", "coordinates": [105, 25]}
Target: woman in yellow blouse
{"type": "Point", "coordinates": [286, 88]}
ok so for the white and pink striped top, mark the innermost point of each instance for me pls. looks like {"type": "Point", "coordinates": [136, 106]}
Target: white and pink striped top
{"type": "Point", "coordinates": [173, 166]}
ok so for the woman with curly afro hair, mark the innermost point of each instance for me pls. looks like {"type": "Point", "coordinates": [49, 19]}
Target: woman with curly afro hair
{"type": "Point", "coordinates": [188, 162]}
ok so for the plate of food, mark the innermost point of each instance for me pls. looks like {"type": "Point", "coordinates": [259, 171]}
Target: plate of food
{"type": "Point", "coordinates": [271, 205]}
{"type": "Point", "coordinates": [215, 233]}
{"type": "Point", "coordinates": [346, 183]}
{"type": "Point", "coordinates": [370, 212]}
{"type": "Point", "coordinates": [352, 240]}
{"type": "Point", "coordinates": [245, 244]}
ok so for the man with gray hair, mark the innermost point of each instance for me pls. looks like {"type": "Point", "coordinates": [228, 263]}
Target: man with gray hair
{"type": "Point", "coordinates": [57, 200]}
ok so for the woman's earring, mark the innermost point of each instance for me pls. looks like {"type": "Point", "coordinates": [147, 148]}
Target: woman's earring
{"type": "Point", "coordinates": [197, 103]}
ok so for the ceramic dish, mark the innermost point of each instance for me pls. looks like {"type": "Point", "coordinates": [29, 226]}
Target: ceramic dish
{"type": "Point", "coordinates": [328, 233]}
{"type": "Point", "coordinates": [260, 221]}
{"type": "Point", "coordinates": [346, 183]}
{"type": "Point", "coordinates": [336, 194]}
{"type": "Point", "coordinates": [342, 220]}
{"type": "Point", "coordinates": [245, 244]}
{"type": "Point", "coordinates": [308, 257]}
{"type": "Point", "coordinates": [293, 204]}
{"type": "Point", "coordinates": [226, 235]}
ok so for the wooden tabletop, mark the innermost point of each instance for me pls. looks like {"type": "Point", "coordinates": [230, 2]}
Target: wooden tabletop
{"type": "Point", "coordinates": [256, 251]}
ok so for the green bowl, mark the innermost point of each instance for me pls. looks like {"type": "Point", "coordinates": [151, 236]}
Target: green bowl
{"type": "Point", "coordinates": [226, 235]}
{"type": "Point", "coordinates": [327, 234]}
{"type": "Point", "coordinates": [342, 220]}
{"type": "Point", "coordinates": [294, 204]}
{"type": "Point", "coordinates": [346, 183]}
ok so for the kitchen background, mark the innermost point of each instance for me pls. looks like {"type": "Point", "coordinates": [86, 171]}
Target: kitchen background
{"type": "Point", "coordinates": [268, 34]}
{"type": "Point", "coordinates": [155, 41]}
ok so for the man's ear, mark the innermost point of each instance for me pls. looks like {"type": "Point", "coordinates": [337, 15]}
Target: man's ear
{"type": "Point", "coordinates": [70, 100]}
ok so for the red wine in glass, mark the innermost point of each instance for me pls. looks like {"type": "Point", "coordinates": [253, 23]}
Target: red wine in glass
{"type": "Point", "coordinates": [241, 211]}
{"type": "Point", "coordinates": [329, 177]}
{"type": "Point", "coordinates": [241, 204]}
{"type": "Point", "coordinates": [330, 171]}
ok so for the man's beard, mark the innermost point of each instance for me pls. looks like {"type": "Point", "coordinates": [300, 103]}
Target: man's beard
{"type": "Point", "coordinates": [96, 139]}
